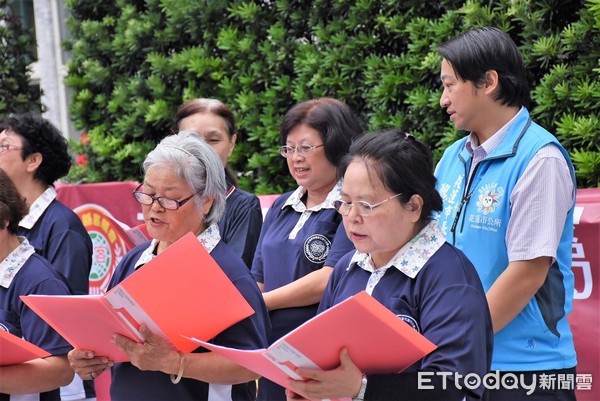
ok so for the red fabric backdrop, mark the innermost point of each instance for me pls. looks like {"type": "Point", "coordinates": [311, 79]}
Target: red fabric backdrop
{"type": "Point", "coordinates": [585, 318]}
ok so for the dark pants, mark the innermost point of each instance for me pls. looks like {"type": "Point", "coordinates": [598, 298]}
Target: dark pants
{"type": "Point", "coordinates": [550, 385]}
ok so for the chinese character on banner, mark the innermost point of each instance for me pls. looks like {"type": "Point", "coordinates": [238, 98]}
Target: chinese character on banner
{"type": "Point", "coordinates": [585, 317]}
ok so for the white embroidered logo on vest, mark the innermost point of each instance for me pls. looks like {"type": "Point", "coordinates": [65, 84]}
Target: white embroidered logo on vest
{"type": "Point", "coordinates": [489, 198]}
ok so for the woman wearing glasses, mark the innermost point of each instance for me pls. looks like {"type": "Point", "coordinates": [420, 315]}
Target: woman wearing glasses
{"type": "Point", "coordinates": [302, 237]}
{"type": "Point", "coordinates": [212, 120]}
{"type": "Point", "coordinates": [387, 201]}
{"type": "Point", "coordinates": [35, 154]}
{"type": "Point", "coordinates": [183, 190]}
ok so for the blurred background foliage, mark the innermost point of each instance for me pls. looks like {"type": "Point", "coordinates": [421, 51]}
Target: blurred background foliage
{"type": "Point", "coordinates": [135, 61]}
{"type": "Point", "coordinates": [17, 52]}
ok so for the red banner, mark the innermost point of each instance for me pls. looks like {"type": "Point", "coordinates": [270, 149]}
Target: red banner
{"type": "Point", "coordinates": [106, 210]}
{"type": "Point", "coordinates": [585, 318]}
{"type": "Point", "coordinates": [115, 197]}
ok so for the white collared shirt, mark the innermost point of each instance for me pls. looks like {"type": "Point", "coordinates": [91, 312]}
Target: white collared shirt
{"type": "Point", "coordinates": [37, 208]}
{"type": "Point", "coordinates": [547, 173]}
{"type": "Point", "coordinates": [295, 201]}
{"type": "Point", "coordinates": [10, 266]}
{"type": "Point", "coordinates": [209, 239]}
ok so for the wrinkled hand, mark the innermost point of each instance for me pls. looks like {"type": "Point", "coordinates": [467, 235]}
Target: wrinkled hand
{"type": "Point", "coordinates": [343, 381]}
{"type": "Point", "coordinates": [155, 353]}
{"type": "Point", "coordinates": [87, 365]}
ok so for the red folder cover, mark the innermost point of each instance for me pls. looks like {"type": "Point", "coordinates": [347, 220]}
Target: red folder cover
{"type": "Point", "coordinates": [377, 340]}
{"type": "Point", "coordinates": [14, 350]}
{"type": "Point", "coordinates": [181, 292]}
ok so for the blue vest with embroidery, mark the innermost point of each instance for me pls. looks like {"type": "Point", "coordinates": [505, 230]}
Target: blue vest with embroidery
{"type": "Point", "coordinates": [475, 220]}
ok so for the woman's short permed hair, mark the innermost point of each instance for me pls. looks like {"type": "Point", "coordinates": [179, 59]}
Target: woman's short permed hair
{"type": "Point", "coordinates": [41, 136]}
{"type": "Point", "coordinates": [193, 160]}
{"type": "Point", "coordinates": [12, 205]}
{"type": "Point", "coordinates": [332, 119]}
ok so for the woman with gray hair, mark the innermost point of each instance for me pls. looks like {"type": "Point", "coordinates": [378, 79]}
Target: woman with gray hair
{"type": "Point", "coordinates": [183, 190]}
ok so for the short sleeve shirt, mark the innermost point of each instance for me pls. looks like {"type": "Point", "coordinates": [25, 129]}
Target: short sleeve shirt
{"type": "Point", "coordinates": [294, 242]}
{"type": "Point", "coordinates": [58, 235]}
{"type": "Point", "coordinates": [440, 296]}
{"type": "Point", "coordinates": [23, 272]}
{"type": "Point", "coordinates": [241, 223]}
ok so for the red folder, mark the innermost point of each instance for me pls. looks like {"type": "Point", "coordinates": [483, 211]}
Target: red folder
{"type": "Point", "coordinates": [377, 340]}
{"type": "Point", "coordinates": [14, 350]}
{"type": "Point", "coordinates": [181, 292]}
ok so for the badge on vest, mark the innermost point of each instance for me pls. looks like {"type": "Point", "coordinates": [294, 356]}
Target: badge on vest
{"type": "Point", "coordinates": [410, 321]}
{"type": "Point", "coordinates": [316, 248]}
{"type": "Point", "coordinates": [489, 198]}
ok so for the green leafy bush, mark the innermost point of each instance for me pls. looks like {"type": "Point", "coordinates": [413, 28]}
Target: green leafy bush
{"type": "Point", "coordinates": [17, 47]}
{"type": "Point", "coordinates": [135, 62]}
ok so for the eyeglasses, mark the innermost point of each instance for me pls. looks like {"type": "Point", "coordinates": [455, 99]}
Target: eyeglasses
{"type": "Point", "coordinates": [5, 147]}
{"type": "Point", "coordinates": [364, 208]}
{"type": "Point", "coordinates": [303, 150]}
{"type": "Point", "coordinates": [167, 203]}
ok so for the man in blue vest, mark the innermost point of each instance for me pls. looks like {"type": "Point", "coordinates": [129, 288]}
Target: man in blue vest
{"type": "Point", "coordinates": [509, 191]}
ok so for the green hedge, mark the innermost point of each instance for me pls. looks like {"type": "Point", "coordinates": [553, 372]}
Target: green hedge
{"type": "Point", "coordinates": [135, 62]}
{"type": "Point", "coordinates": [17, 47]}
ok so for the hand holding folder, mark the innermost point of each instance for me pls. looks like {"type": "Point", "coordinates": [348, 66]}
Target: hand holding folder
{"type": "Point", "coordinates": [377, 340]}
{"type": "Point", "coordinates": [181, 292]}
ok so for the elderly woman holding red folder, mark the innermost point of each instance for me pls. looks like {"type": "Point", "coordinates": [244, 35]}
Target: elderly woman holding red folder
{"type": "Point", "coordinates": [183, 190]}
{"type": "Point", "coordinates": [387, 201]}
{"type": "Point", "coordinates": [23, 272]}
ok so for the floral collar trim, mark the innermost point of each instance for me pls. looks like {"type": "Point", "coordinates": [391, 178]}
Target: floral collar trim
{"type": "Point", "coordinates": [209, 239]}
{"type": "Point", "coordinates": [411, 258]}
{"type": "Point", "coordinates": [38, 208]}
{"type": "Point", "coordinates": [295, 199]}
{"type": "Point", "coordinates": [15, 260]}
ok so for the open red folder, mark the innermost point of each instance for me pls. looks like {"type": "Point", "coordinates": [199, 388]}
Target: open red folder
{"type": "Point", "coordinates": [14, 350]}
{"type": "Point", "coordinates": [377, 340]}
{"type": "Point", "coordinates": [181, 292]}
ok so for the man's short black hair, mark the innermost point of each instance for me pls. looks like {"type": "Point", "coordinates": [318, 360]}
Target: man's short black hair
{"type": "Point", "coordinates": [480, 50]}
